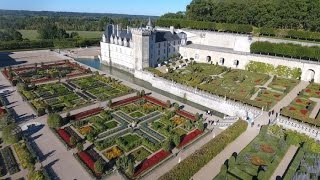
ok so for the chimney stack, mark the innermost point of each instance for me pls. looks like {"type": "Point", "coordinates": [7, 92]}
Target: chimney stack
{"type": "Point", "coordinates": [172, 29]}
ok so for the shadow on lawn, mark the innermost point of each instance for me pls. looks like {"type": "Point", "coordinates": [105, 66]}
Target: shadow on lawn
{"type": "Point", "coordinates": [6, 60]}
{"type": "Point", "coordinates": [50, 171]}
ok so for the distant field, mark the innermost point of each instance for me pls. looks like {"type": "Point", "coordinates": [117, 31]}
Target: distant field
{"type": "Point", "coordinates": [33, 34]}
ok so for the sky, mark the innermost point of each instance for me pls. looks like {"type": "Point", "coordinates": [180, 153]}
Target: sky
{"type": "Point", "coordinates": [139, 7]}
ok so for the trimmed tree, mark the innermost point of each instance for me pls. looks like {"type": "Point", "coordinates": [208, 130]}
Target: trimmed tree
{"type": "Point", "coordinates": [11, 134]}
{"type": "Point", "coordinates": [201, 126]}
{"type": "Point", "coordinates": [167, 145]}
{"type": "Point", "coordinates": [143, 92]}
{"type": "Point", "coordinates": [99, 166]}
{"type": "Point", "coordinates": [176, 140]}
{"type": "Point", "coordinates": [79, 147]}
{"type": "Point", "coordinates": [130, 167]}
{"type": "Point", "coordinates": [55, 121]}
{"type": "Point", "coordinates": [168, 103]}
{"type": "Point", "coordinates": [73, 140]}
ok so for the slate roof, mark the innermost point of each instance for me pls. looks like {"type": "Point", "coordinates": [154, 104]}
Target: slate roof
{"type": "Point", "coordinates": [162, 36]}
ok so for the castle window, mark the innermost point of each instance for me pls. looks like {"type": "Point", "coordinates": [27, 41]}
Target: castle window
{"type": "Point", "coordinates": [164, 50]}
{"type": "Point", "coordinates": [159, 45]}
{"type": "Point", "coordinates": [174, 43]}
{"type": "Point", "coordinates": [197, 56]}
{"type": "Point", "coordinates": [159, 52]}
{"type": "Point", "coordinates": [169, 50]}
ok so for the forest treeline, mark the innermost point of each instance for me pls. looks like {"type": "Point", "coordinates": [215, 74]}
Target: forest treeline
{"type": "Point", "coordinates": [70, 21]}
{"type": "Point", "coordinates": [284, 14]}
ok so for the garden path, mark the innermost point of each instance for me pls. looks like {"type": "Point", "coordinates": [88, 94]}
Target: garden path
{"type": "Point", "coordinates": [315, 110]}
{"type": "Point", "coordinates": [264, 86]}
{"type": "Point", "coordinates": [284, 162]}
{"type": "Point", "coordinates": [290, 96]}
{"type": "Point", "coordinates": [212, 168]}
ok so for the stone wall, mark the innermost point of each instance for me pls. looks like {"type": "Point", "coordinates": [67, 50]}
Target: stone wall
{"type": "Point", "coordinates": [298, 126]}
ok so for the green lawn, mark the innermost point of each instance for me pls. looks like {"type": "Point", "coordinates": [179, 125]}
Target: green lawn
{"type": "Point", "coordinates": [140, 154]}
{"type": "Point", "coordinates": [33, 34]}
{"type": "Point", "coordinates": [136, 114]}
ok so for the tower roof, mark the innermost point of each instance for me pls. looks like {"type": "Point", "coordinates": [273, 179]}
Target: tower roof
{"type": "Point", "coordinates": [150, 23]}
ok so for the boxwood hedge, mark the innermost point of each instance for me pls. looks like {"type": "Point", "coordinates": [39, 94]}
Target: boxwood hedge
{"type": "Point", "coordinates": [192, 164]}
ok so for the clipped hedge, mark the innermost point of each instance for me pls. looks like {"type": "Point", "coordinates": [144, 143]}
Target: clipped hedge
{"type": "Point", "coordinates": [286, 50]}
{"type": "Point", "coordinates": [289, 33]}
{"type": "Point", "coordinates": [294, 164]}
{"type": "Point", "coordinates": [205, 25]}
{"type": "Point", "coordinates": [61, 43]}
{"type": "Point", "coordinates": [282, 71]}
{"type": "Point", "coordinates": [193, 163]}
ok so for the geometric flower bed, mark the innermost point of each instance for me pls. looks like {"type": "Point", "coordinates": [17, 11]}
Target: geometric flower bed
{"type": "Point", "coordinates": [9, 160]}
{"type": "Point", "coordinates": [301, 107]}
{"type": "Point", "coordinates": [279, 88]}
{"type": "Point", "coordinates": [101, 87]}
{"type": "Point", "coordinates": [55, 97]}
{"type": "Point", "coordinates": [150, 162]}
{"type": "Point", "coordinates": [234, 84]}
{"type": "Point", "coordinates": [111, 132]}
{"type": "Point", "coordinates": [39, 73]}
{"type": "Point", "coordinates": [65, 136]}
{"type": "Point", "coordinates": [188, 138]}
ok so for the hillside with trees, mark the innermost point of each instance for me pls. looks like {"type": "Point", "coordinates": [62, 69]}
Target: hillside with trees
{"type": "Point", "coordinates": [284, 14]}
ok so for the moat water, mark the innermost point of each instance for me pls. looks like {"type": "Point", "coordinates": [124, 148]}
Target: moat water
{"type": "Point", "coordinates": [95, 63]}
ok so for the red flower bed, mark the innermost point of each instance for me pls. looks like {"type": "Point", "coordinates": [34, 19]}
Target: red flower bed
{"type": "Point", "coordinates": [85, 114]}
{"type": "Point", "coordinates": [298, 101]}
{"type": "Point", "coordinates": [276, 95]}
{"type": "Point", "coordinates": [45, 79]}
{"type": "Point", "coordinates": [125, 101]}
{"type": "Point", "coordinates": [74, 75]}
{"type": "Point", "coordinates": [2, 111]}
{"type": "Point", "coordinates": [155, 101]}
{"type": "Point", "coordinates": [266, 92]}
{"type": "Point", "coordinates": [307, 90]}
{"type": "Point", "coordinates": [188, 138]}
{"type": "Point", "coordinates": [304, 111]}
{"type": "Point", "coordinates": [186, 114]}
{"type": "Point", "coordinates": [257, 81]}
{"type": "Point", "coordinates": [318, 93]}
{"type": "Point", "coordinates": [86, 158]}
{"type": "Point", "coordinates": [292, 109]}
{"type": "Point", "coordinates": [152, 161]}
{"type": "Point", "coordinates": [5, 73]}
{"type": "Point", "coordinates": [259, 99]}
{"type": "Point", "coordinates": [64, 135]}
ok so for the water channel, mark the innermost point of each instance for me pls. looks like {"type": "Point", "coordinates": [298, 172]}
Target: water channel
{"type": "Point", "coordinates": [95, 63]}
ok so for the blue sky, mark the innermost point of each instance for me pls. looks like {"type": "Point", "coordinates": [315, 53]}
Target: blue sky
{"type": "Point", "coordinates": [141, 7]}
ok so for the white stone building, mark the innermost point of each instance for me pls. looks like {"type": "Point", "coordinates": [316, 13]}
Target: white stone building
{"type": "Point", "coordinates": [138, 48]}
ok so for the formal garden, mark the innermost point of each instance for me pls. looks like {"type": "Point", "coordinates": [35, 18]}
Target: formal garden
{"type": "Point", "coordinates": [302, 108]}
{"type": "Point", "coordinates": [262, 156]}
{"type": "Point", "coordinates": [235, 84]}
{"type": "Point", "coordinates": [43, 72]}
{"type": "Point", "coordinates": [53, 97]}
{"type": "Point", "coordinates": [71, 94]}
{"type": "Point", "coordinates": [100, 87]}
{"type": "Point", "coordinates": [133, 135]}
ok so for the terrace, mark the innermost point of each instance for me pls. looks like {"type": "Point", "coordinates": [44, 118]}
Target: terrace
{"type": "Point", "coordinates": [305, 107]}
{"type": "Point", "coordinates": [257, 89]}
